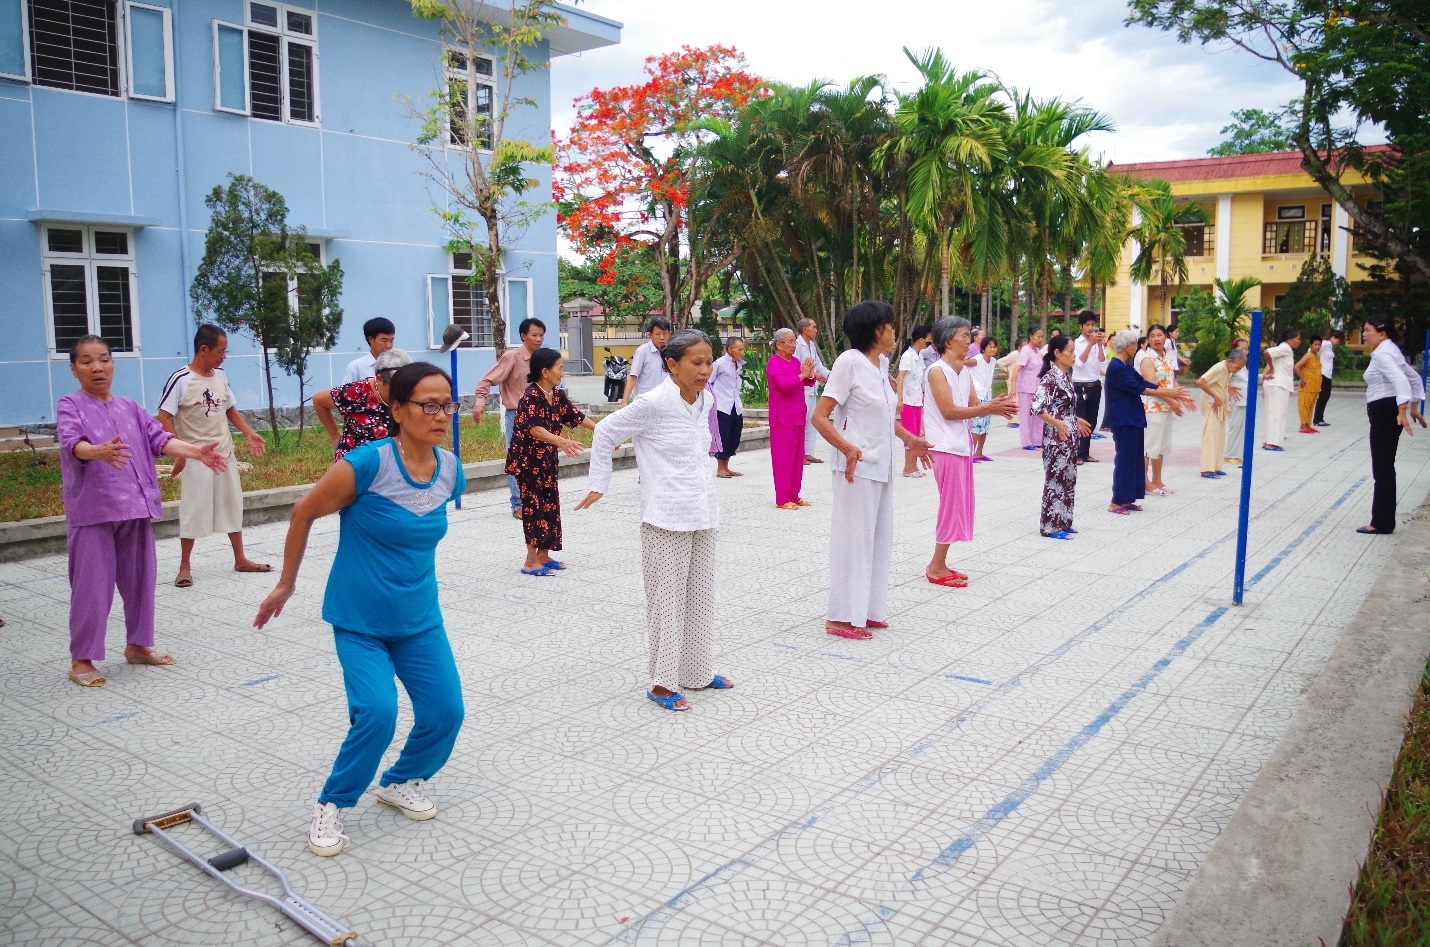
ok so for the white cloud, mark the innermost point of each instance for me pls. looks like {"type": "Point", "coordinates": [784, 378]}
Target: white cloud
{"type": "Point", "coordinates": [1167, 100]}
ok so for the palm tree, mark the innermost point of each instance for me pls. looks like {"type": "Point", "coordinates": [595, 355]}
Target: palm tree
{"type": "Point", "coordinates": [1161, 239]}
{"type": "Point", "coordinates": [949, 131]}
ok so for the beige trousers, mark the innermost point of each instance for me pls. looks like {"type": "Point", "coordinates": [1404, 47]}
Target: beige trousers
{"type": "Point", "coordinates": [679, 572]}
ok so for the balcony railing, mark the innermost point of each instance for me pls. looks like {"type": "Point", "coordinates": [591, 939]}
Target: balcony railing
{"type": "Point", "coordinates": [1289, 237]}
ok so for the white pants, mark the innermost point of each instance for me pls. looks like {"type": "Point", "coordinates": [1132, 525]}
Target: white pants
{"type": "Point", "coordinates": [679, 571]}
{"type": "Point", "coordinates": [1278, 400]}
{"type": "Point", "coordinates": [1235, 431]}
{"type": "Point", "coordinates": [208, 502]}
{"type": "Point", "coordinates": [861, 549]}
{"type": "Point", "coordinates": [811, 437]}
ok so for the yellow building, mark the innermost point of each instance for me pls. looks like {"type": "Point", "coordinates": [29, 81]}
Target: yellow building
{"type": "Point", "coordinates": [1265, 218]}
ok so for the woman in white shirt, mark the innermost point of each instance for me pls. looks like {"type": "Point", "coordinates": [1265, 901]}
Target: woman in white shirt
{"type": "Point", "coordinates": [952, 404]}
{"type": "Point", "coordinates": [1236, 405]}
{"type": "Point", "coordinates": [1280, 385]}
{"type": "Point", "coordinates": [910, 386]}
{"type": "Point", "coordinates": [1392, 394]}
{"type": "Point", "coordinates": [856, 416]}
{"type": "Point", "coordinates": [982, 365]}
{"type": "Point", "coordinates": [679, 516]}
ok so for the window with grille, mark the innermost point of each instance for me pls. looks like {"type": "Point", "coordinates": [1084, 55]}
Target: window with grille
{"type": "Point", "coordinates": [74, 44]}
{"type": "Point", "coordinates": [471, 92]}
{"type": "Point", "coordinates": [89, 277]}
{"type": "Point", "coordinates": [454, 297]}
{"type": "Point", "coordinates": [268, 68]}
{"type": "Point", "coordinates": [295, 287]}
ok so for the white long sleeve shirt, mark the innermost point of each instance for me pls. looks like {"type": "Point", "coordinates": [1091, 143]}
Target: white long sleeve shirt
{"type": "Point", "coordinates": [804, 349]}
{"type": "Point", "coordinates": [672, 441]}
{"type": "Point", "coordinates": [1389, 375]}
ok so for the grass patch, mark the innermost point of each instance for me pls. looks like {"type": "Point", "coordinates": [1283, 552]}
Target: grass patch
{"type": "Point", "coordinates": [1391, 903]}
{"type": "Point", "coordinates": [30, 482]}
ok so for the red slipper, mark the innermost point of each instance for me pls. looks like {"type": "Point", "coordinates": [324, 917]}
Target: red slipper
{"type": "Point", "coordinates": [949, 581]}
{"type": "Point", "coordinates": [876, 624]}
{"type": "Point", "coordinates": [855, 634]}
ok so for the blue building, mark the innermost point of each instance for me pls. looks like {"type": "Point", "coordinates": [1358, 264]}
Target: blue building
{"type": "Point", "coordinates": [118, 117]}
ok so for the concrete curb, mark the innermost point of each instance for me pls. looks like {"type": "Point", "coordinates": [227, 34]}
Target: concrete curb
{"type": "Point", "coordinates": [28, 539]}
{"type": "Point", "coordinates": [1281, 871]}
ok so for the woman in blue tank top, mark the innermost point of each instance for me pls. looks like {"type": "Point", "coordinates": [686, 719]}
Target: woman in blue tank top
{"type": "Point", "coordinates": [381, 600]}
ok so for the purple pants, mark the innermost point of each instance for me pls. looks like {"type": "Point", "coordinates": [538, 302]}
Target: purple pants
{"type": "Point", "coordinates": [102, 556]}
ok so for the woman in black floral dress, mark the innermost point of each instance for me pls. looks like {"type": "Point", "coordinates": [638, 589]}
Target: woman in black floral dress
{"type": "Point", "coordinates": [533, 458]}
{"type": "Point", "coordinates": [1054, 402]}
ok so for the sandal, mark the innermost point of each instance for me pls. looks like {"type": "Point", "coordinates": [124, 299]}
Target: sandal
{"type": "Point", "coordinates": [717, 683]}
{"type": "Point", "coordinates": [951, 581]}
{"type": "Point", "coordinates": [542, 571]}
{"type": "Point", "coordinates": [871, 623]}
{"type": "Point", "coordinates": [853, 634]}
{"type": "Point", "coordinates": [183, 581]}
{"type": "Point", "coordinates": [1060, 534]}
{"type": "Point", "coordinates": [1133, 508]}
{"type": "Point", "coordinates": [551, 565]}
{"type": "Point", "coordinates": [1119, 510]}
{"type": "Point", "coordinates": [153, 659]}
{"type": "Point", "coordinates": [88, 679]}
{"type": "Point", "coordinates": [787, 506]}
{"type": "Point", "coordinates": [668, 701]}
{"type": "Point", "coordinates": [802, 502]}
{"type": "Point", "coordinates": [256, 567]}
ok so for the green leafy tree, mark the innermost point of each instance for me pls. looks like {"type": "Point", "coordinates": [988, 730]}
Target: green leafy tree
{"type": "Point", "coordinates": [250, 255]}
{"type": "Point", "coordinates": [1314, 303]}
{"type": "Point", "coordinates": [1253, 131]}
{"type": "Point", "coordinates": [486, 173]}
{"type": "Point", "coordinates": [314, 323]}
{"type": "Point", "coordinates": [627, 289]}
{"type": "Point", "coordinates": [1162, 239]}
{"type": "Point", "coordinates": [1362, 61]}
{"type": "Point", "coordinates": [1212, 321]}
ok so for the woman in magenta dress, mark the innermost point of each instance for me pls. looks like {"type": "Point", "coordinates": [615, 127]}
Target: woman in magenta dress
{"type": "Point", "coordinates": [1030, 363]}
{"type": "Point", "coordinates": [787, 378]}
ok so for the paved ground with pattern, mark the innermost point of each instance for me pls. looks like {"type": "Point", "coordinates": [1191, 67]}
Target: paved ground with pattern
{"type": "Point", "coordinates": [1044, 757]}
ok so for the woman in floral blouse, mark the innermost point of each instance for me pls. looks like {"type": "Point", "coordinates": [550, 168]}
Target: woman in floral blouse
{"type": "Point", "coordinates": [1054, 403]}
{"type": "Point", "coordinates": [533, 460]}
{"type": "Point", "coordinates": [363, 405]}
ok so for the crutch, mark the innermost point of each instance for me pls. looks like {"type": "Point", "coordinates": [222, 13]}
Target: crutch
{"type": "Point", "coordinates": [300, 911]}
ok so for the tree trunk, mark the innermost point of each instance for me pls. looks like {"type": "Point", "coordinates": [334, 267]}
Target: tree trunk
{"type": "Point", "coordinates": [943, 273]}
{"type": "Point", "coordinates": [1013, 306]}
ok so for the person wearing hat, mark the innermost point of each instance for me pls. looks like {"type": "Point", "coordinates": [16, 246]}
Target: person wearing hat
{"type": "Point", "coordinates": [363, 405]}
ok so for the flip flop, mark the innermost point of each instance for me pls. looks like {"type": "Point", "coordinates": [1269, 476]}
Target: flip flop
{"type": "Point", "coordinates": [1119, 510]}
{"type": "Point", "coordinates": [542, 571]}
{"type": "Point", "coordinates": [787, 506]}
{"type": "Point", "coordinates": [553, 566]}
{"type": "Point", "coordinates": [949, 582]}
{"type": "Point", "coordinates": [184, 582]}
{"type": "Point", "coordinates": [854, 634]}
{"type": "Point", "coordinates": [668, 701]}
{"type": "Point", "coordinates": [717, 683]}
{"type": "Point", "coordinates": [88, 679]}
{"type": "Point", "coordinates": [1272, 447]}
{"type": "Point", "coordinates": [802, 503]}
{"type": "Point", "coordinates": [1218, 474]}
{"type": "Point", "coordinates": [256, 567]}
{"type": "Point", "coordinates": [1133, 508]}
{"type": "Point", "coordinates": [153, 659]}
{"type": "Point", "coordinates": [1060, 534]}
{"type": "Point", "coordinates": [1208, 476]}
{"type": "Point", "coordinates": [871, 623]}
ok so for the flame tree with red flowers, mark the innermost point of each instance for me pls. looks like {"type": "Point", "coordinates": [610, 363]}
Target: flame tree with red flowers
{"type": "Point", "coordinates": [623, 175]}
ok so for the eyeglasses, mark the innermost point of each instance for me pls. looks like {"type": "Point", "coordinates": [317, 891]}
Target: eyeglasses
{"type": "Point", "coordinates": [448, 408]}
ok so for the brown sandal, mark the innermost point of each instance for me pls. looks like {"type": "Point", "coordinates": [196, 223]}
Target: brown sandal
{"type": "Point", "coordinates": [153, 659]}
{"type": "Point", "coordinates": [88, 679]}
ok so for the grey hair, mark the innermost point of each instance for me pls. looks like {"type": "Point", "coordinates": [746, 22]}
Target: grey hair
{"type": "Point", "coordinates": [733, 340]}
{"type": "Point", "coordinates": [783, 333]}
{"type": "Point", "coordinates": [1124, 338]}
{"type": "Point", "coordinates": [1236, 355]}
{"type": "Point", "coordinates": [945, 329]}
{"type": "Point", "coordinates": [680, 342]}
{"type": "Point", "coordinates": [391, 361]}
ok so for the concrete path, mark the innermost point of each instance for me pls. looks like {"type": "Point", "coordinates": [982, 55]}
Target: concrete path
{"type": "Point", "coordinates": [1044, 757]}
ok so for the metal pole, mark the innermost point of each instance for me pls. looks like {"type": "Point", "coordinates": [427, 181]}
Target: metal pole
{"type": "Point", "coordinates": [1424, 367]}
{"type": "Point", "coordinates": [1248, 455]}
{"type": "Point", "coordinates": [456, 419]}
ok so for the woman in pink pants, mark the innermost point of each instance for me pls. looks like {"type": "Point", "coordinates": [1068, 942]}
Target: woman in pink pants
{"type": "Point", "coordinates": [787, 378]}
{"type": "Point", "coordinates": [1025, 383]}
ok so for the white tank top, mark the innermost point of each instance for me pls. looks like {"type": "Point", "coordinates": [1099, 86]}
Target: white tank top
{"type": "Point", "coordinates": [943, 435]}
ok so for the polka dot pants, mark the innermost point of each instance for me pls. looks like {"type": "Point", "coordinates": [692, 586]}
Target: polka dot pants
{"type": "Point", "coordinates": [679, 570]}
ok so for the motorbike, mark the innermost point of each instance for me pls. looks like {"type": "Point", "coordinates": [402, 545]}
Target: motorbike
{"type": "Point", "coordinates": [617, 368]}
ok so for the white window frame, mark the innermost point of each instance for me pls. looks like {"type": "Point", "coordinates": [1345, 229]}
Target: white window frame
{"type": "Point", "coordinates": [24, 44]}
{"type": "Point", "coordinates": [512, 322]}
{"type": "Point", "coordinates": [434, 332]}
{"type": "Point", "coordinates": [89, 260]}
{"type": "Point", "coordinates": [472, 78]}
{"type": "Point", "coordinates": [128, 57]}
{"type": "Point", "coordinates": [322, 256]}
{"type": "Point", "coordinates": [1284, 213]}
{"type": "Point", "coordinates": [242, 32]}
{"type": "Point", "coordinates": [121, 50]}
{"type": "Point", "coordinates": [285, 38]}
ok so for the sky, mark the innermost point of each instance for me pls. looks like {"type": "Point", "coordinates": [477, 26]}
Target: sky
{"type": "Point", "coordinates": [1165, 99]}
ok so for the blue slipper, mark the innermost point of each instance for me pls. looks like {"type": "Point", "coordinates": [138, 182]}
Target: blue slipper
{"type": "Point", "coordinates": [542, 571]}
{"type": "Point", "coordinates": [1032, 447]}
{"type": "Point", "coordinates": [1218, 474]}
{"type": "Point", "coordinates": [667, 701]}
{"type": "Point", "coordinates": [1060, 534]}
{"type": "Point", "coordinates": [553, 566]}
{"type": "Point", "coordinates": [1208, 476]}
{"type": "Point", "coordinates": [1272, 447]}
{"type": "Point", "coordinates": [717, 683]}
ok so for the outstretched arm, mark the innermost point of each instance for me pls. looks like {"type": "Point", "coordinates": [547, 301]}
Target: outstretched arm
{"type": "Point", "coordinates": [337, 489]}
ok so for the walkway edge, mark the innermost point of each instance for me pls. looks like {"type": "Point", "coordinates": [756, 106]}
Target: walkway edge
{"type": "Point", "coordinates": [28, 539]}
{"type": "Point", "coordinates": [1281, 871]}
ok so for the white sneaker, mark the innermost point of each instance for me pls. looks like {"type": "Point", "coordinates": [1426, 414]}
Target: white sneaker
{"type": "Point", "coordinates": [325, 835]}
{"type": "Point", "coordinates": [408, 799]}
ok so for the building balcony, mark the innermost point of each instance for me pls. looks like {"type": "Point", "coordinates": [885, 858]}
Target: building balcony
{"type": "Point", "coordinates": [1289, 238]}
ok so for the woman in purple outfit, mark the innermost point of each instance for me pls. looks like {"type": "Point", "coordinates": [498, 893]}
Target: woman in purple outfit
{"type": "Point", "coordinates": [110, 496]}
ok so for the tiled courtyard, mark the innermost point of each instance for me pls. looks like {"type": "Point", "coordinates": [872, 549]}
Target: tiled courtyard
{"type": "Point", "coordinates": [1044, 757]}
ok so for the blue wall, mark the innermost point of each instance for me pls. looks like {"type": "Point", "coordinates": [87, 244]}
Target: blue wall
{"type": "Point", "coordinates": [355, 181]}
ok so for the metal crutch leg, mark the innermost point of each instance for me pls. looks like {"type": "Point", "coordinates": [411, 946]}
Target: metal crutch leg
{"type": "Point", "coordinates": [302, 913]}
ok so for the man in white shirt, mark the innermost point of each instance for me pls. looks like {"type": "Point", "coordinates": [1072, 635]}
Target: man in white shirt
{"type": "Point", "coordinates": [804, 348]}
{"type": "Point", "coordinates": [1089, 362]}
{"type": "Point", "coordinates": [647, 368]}
{"type": "Point", "coordinates": [380, 334]}
{"type": "Point", "coordinates": [1328, 370]}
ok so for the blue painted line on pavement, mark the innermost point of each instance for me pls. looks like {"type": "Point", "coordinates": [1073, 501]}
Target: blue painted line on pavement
{"type": "Point", "coordinates": [964, 677]}
{"type": "Point", "coordinates": [117, 717]}
{"type": "Point", "coordinates": [260, 680]}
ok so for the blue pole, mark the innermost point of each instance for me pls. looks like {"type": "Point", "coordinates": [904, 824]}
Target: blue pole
{"type": "Point", "coordinates": [456, 419]}
{"type": "Point", "coordinates": [1424, 367]}
{"type": "Point", "coordinates": [1248, 456]}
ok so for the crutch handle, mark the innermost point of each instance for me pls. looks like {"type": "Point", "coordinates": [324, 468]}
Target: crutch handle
{"type": "Point", "coordinates": [168, 819]}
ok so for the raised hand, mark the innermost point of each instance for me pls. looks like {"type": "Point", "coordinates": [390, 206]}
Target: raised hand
{"type": "Point", "coordinates": [113, 452]}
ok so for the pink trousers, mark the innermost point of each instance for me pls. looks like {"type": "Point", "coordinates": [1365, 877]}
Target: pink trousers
{"type": "Point", "coordinates": [1030, 426]}
{"type": "Point", "coordinates": [954, 475]}
{"type": "Point", "coordinates": [102, 557]}
{"type": "Point", "coordinates": [912, 418]}
{"type": "Point", "coordinates": [787, 459]}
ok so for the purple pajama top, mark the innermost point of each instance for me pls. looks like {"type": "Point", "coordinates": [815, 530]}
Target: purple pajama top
{"type": "Point", "coordinates": [93, 491]}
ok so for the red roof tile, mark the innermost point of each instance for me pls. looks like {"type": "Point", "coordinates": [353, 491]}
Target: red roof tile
{"type": "Point", "coordinates": [1231, 166]}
